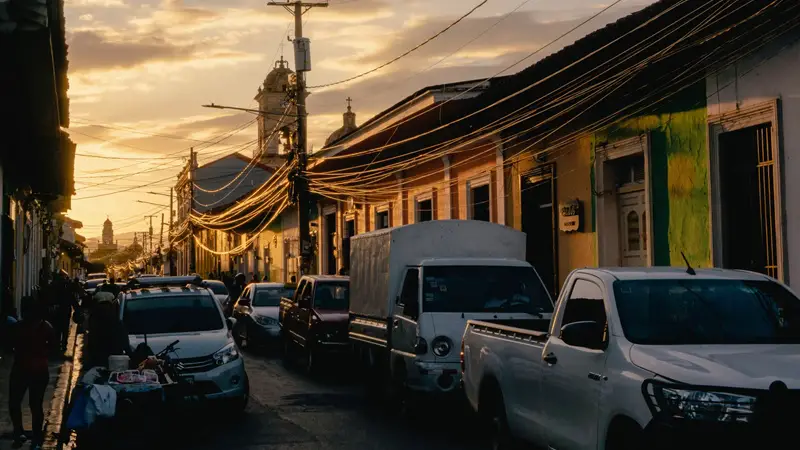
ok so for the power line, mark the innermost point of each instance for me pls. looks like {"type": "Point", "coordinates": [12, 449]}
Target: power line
{"type": "Point", "coordinates": [392, 61]}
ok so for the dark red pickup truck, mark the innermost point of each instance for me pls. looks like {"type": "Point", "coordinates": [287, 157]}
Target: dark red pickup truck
{"type": "Point", "coordinates": [314, 322]}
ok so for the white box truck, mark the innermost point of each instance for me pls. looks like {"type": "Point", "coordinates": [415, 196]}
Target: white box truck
{"type": "Point", "coordinates": [413, 289]}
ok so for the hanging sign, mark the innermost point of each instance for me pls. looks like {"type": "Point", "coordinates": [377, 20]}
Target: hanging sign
{"type": "Point", "coordinates": [570, 215]}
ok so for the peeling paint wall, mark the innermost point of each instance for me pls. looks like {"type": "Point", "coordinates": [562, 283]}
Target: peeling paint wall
{"type": "Point", "coordinates": [679, 176]}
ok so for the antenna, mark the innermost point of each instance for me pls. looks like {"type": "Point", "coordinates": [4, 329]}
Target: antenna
{"type": "Point", "coordinates": [689, 269]}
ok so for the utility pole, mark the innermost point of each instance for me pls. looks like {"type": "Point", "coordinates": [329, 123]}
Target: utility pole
{"type": "Point", "coordinates": [149, 237]}
{"type": "Point", "coordinates": [190, 174]}
{"type": "Point", "coordinates": [302, 64]}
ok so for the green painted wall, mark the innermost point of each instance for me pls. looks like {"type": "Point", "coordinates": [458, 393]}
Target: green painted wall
{"type": "Point", "coordinates": [679, 174]}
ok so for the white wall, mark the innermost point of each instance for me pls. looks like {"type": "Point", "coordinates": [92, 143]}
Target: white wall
{"type": "Point", "coordinates": [758, 80]}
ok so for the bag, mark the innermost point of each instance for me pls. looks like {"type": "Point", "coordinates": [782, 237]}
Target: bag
{"type": "Point", "coordinates": [77, 416]}
{"type": "Point", "coordinates": [102, 402]}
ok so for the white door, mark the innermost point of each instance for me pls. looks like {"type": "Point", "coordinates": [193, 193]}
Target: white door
{"type": "Point", "coordinates": [633, 234]}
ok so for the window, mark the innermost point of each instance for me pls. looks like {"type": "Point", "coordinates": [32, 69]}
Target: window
{"type": "Point", "coordinates": [218, 288]}
{"type": "Point", "coordinates": [306, 292]}
{"type": "Point", "coordinates": [382, 219]}
{"type": "Point", "coordinates": [480, 204]}
{"type": "Point", "coordinates": [425, 210]}
{"type": "Point", "coordinates": [171, 314]}
{"type": "Point", "coordinates": [585, 303]}
{"type": "Point", "coordinates": [410, 292]}
{"type": "Point", "coordinates": [332, 296]}
{"type": "Point", "coordinates": [707, 312]}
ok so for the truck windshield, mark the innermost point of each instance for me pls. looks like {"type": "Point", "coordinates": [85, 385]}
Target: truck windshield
{"type": "Point", "coordinates": [699, 312]}
{"type": "Point", "coordinates": [483, 289]}
{"type": "Point", "coordinates": [332, 296]}
{"type": "Point", "coordinates": [173, 314]}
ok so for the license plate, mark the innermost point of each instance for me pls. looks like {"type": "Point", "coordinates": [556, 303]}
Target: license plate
{"type": "Point", "coordinates": [187, 379]}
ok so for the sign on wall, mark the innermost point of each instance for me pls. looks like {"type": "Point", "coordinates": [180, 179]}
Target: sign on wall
{"type": "Point", "coordinates": [570, 216]}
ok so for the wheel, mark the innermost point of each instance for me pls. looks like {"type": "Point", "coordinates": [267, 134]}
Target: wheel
{"type": "Point", "coordinates": [624, 434]}
{"type": "Point", "coordinates": [494, 411]}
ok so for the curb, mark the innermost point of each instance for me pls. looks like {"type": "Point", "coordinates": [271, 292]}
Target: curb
{"type": "Point", "coordinates": [67, 379]}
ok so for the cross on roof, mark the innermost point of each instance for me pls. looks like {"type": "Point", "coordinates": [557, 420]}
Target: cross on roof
{"type": "Point", "coordinates": [349, 101]}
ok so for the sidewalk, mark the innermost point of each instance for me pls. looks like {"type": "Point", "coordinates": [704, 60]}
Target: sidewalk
{"type": "Point", "coordinates": [61, 374]}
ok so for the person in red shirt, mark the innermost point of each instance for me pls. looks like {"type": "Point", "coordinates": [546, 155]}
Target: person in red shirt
{"type": "Point", "coordinates": [34, 337]}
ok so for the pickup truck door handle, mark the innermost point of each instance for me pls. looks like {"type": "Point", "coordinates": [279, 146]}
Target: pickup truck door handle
{"type": "Point", "coordinates": [550, 358]}
{"type": "Point", "coordinates": [597, 377]}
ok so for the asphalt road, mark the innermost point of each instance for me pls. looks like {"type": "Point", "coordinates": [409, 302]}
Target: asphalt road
{"type": "Point", "coordinates": [289, 409]}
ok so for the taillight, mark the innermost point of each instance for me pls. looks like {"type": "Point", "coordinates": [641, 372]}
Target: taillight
{"type": "Point", "coordinates": [461, 357]}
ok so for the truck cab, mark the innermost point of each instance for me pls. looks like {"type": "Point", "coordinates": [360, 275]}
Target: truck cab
{"type": "Point", "coordinates": [437, 298]}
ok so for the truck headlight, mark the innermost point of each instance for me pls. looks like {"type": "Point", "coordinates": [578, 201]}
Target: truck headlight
{"type": "Point", "coordinates": [441, 346]}
{"type": "Point", "coordinates": [265, 321]}
{"type": "Point", "coordinates": [226, 354]}
{"type": "Point", "coordinates": [698, 404]}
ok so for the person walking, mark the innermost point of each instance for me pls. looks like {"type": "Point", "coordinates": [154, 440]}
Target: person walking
{"type": "Point", "coordinates": [29, 372]}
{"type": "Point", "coordinates": [64, 300]}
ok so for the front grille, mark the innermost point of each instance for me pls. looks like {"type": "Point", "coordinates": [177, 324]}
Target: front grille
{"type": "Point", "coordinates": [196, 365]}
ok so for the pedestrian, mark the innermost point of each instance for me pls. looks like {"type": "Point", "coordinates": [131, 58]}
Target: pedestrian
{"type": "Point", "coordinates": [256, 277]}
{"type": "Point", "coordinates": [293, 279]}
{"type": "Point", "coordinates": [107, 335]}
{"type": "Point", "coordinates": [30, 373]}
{"type": "Point", "coordinates": [64, 300]}
{"type": "Point", "coordinates": [235, 291]}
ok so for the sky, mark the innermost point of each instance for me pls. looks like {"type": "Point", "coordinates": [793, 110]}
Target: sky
{"type": "Point", "coordinates": [140, 71]}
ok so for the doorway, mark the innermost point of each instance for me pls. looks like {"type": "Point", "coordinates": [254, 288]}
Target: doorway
{"type": "Point", "coordinates": [349, 231]}
{"type": "Point", "coordinates": [747, 184]}
{"type": "Point", "coordinates": [330, 244]}
{"type": "Point", "coordinates": [538, 223]}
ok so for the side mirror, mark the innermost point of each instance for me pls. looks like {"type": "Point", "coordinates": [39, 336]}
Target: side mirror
{"type": "Point", "coordinates": [587, 334]}
{"type": "Point", "coordinates": [230, 322]}
{"type": "Point", "coordinates": [411, 309]}
{"type": "Point", "coordinates": [304, 303]}
{"type": "Point", "coordinates": [244, 301]}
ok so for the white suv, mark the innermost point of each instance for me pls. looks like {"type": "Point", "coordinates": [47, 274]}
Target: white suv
{"type": "Point", "coordinates": [210, 361]}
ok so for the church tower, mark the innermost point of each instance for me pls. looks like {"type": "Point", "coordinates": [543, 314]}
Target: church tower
{"type": "Point", "coordinates": [272, 100]}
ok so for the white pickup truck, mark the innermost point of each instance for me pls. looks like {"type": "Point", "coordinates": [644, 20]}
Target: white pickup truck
{"type": "Point", "coordinates": [644, 359]}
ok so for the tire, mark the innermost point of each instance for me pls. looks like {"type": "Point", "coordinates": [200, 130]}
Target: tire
{"type": "Point", "coordinates": [624, 434]}
{"type": "Point", "coordinates": [493, 410]}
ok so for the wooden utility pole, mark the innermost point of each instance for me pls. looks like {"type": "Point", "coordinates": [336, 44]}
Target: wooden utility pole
{"type": "Point", "coordinates": [192, 256]}
{"type": "Point", "coordinates": [302, 64]}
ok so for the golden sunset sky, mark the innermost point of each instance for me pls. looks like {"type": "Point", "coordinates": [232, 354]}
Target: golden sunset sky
{"type": "Point", "coordinates": [139, 71]}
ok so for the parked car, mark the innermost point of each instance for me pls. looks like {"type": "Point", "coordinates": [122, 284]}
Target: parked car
{"type": "Point", "coordinates": [414, 288]}
{"type": "Point", "coordinates": [219, 289]}
{"type": "Point", "coordinates": [97, 276]}
{"type": "Point", "coordinates": [314, 320]}
{"type": "Point", "coordinates": [210, 360]}
{"type": "Point", "coordinates": [256, 313]}
{"type": "Point", "coordinates": [643, 358]}
{"type": "Point", "coordinates": [90, 286]}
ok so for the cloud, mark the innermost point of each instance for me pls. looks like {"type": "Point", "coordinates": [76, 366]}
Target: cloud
{"type": "Point", "coordinates": [86, 17]}
{"type": "Point", "coordinates": [96, 3]}
{"type": "Point", "coordinates": [91, 50]}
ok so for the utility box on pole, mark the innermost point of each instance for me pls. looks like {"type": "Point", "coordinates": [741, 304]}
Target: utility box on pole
{"type": "Point", "coordinates": [302, 54]}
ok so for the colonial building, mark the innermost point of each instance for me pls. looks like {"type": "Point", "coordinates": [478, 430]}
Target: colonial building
{"type": "Point", "coordinates": [276, 120]}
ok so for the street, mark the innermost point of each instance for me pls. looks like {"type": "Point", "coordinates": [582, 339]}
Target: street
{"type": "Point", "coordinates": [290, 410]}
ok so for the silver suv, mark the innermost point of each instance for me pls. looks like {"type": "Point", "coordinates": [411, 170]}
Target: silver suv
{"type": "Point", "coordinates": [210, 360]}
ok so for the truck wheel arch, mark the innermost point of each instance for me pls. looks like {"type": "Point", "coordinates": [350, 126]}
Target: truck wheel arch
{"type": "Point", "coordinates": [489, 386]}
{"type": "Point", "coordinates": [623, 433]}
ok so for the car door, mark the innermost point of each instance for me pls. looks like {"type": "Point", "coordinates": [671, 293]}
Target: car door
{"type": "Point", "coordinates": [287, 315]}
{"type": "Point", "coordinates": [573, 376]}
{"type": "Point", "coordinates": [302, 317]}
{"type": "Point", "coordinates": [404, 320]}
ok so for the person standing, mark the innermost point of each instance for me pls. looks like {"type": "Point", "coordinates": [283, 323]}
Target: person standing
{"type": "Point", "coordinates": [64, 300]}
{"type": "Point", "coordinates": [29, 372]}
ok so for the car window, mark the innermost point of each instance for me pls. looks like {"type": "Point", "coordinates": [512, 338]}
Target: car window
{"type": "Point", "coordinates": [332, 296]}
{"type": "Point", "coordinates": [585, 303]}
{"type": "Point", "coordinates": [299, 291]}
{"type": "Point", "coordinates": [218, 288]}
{"type": "Point", "coordinates": [246, 293]}
{"type": "Point", "coordinates": [171, 314]}
{"type": "Point", "coordinates": [271, 296]}
{"type": "Point", "coordinates": [306, 292]}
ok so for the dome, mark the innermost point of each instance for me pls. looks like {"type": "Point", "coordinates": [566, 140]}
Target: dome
{"type": "Point", "coordinates": [348, 127]}
{"type": "Point", "coordinates": [278, 77]}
